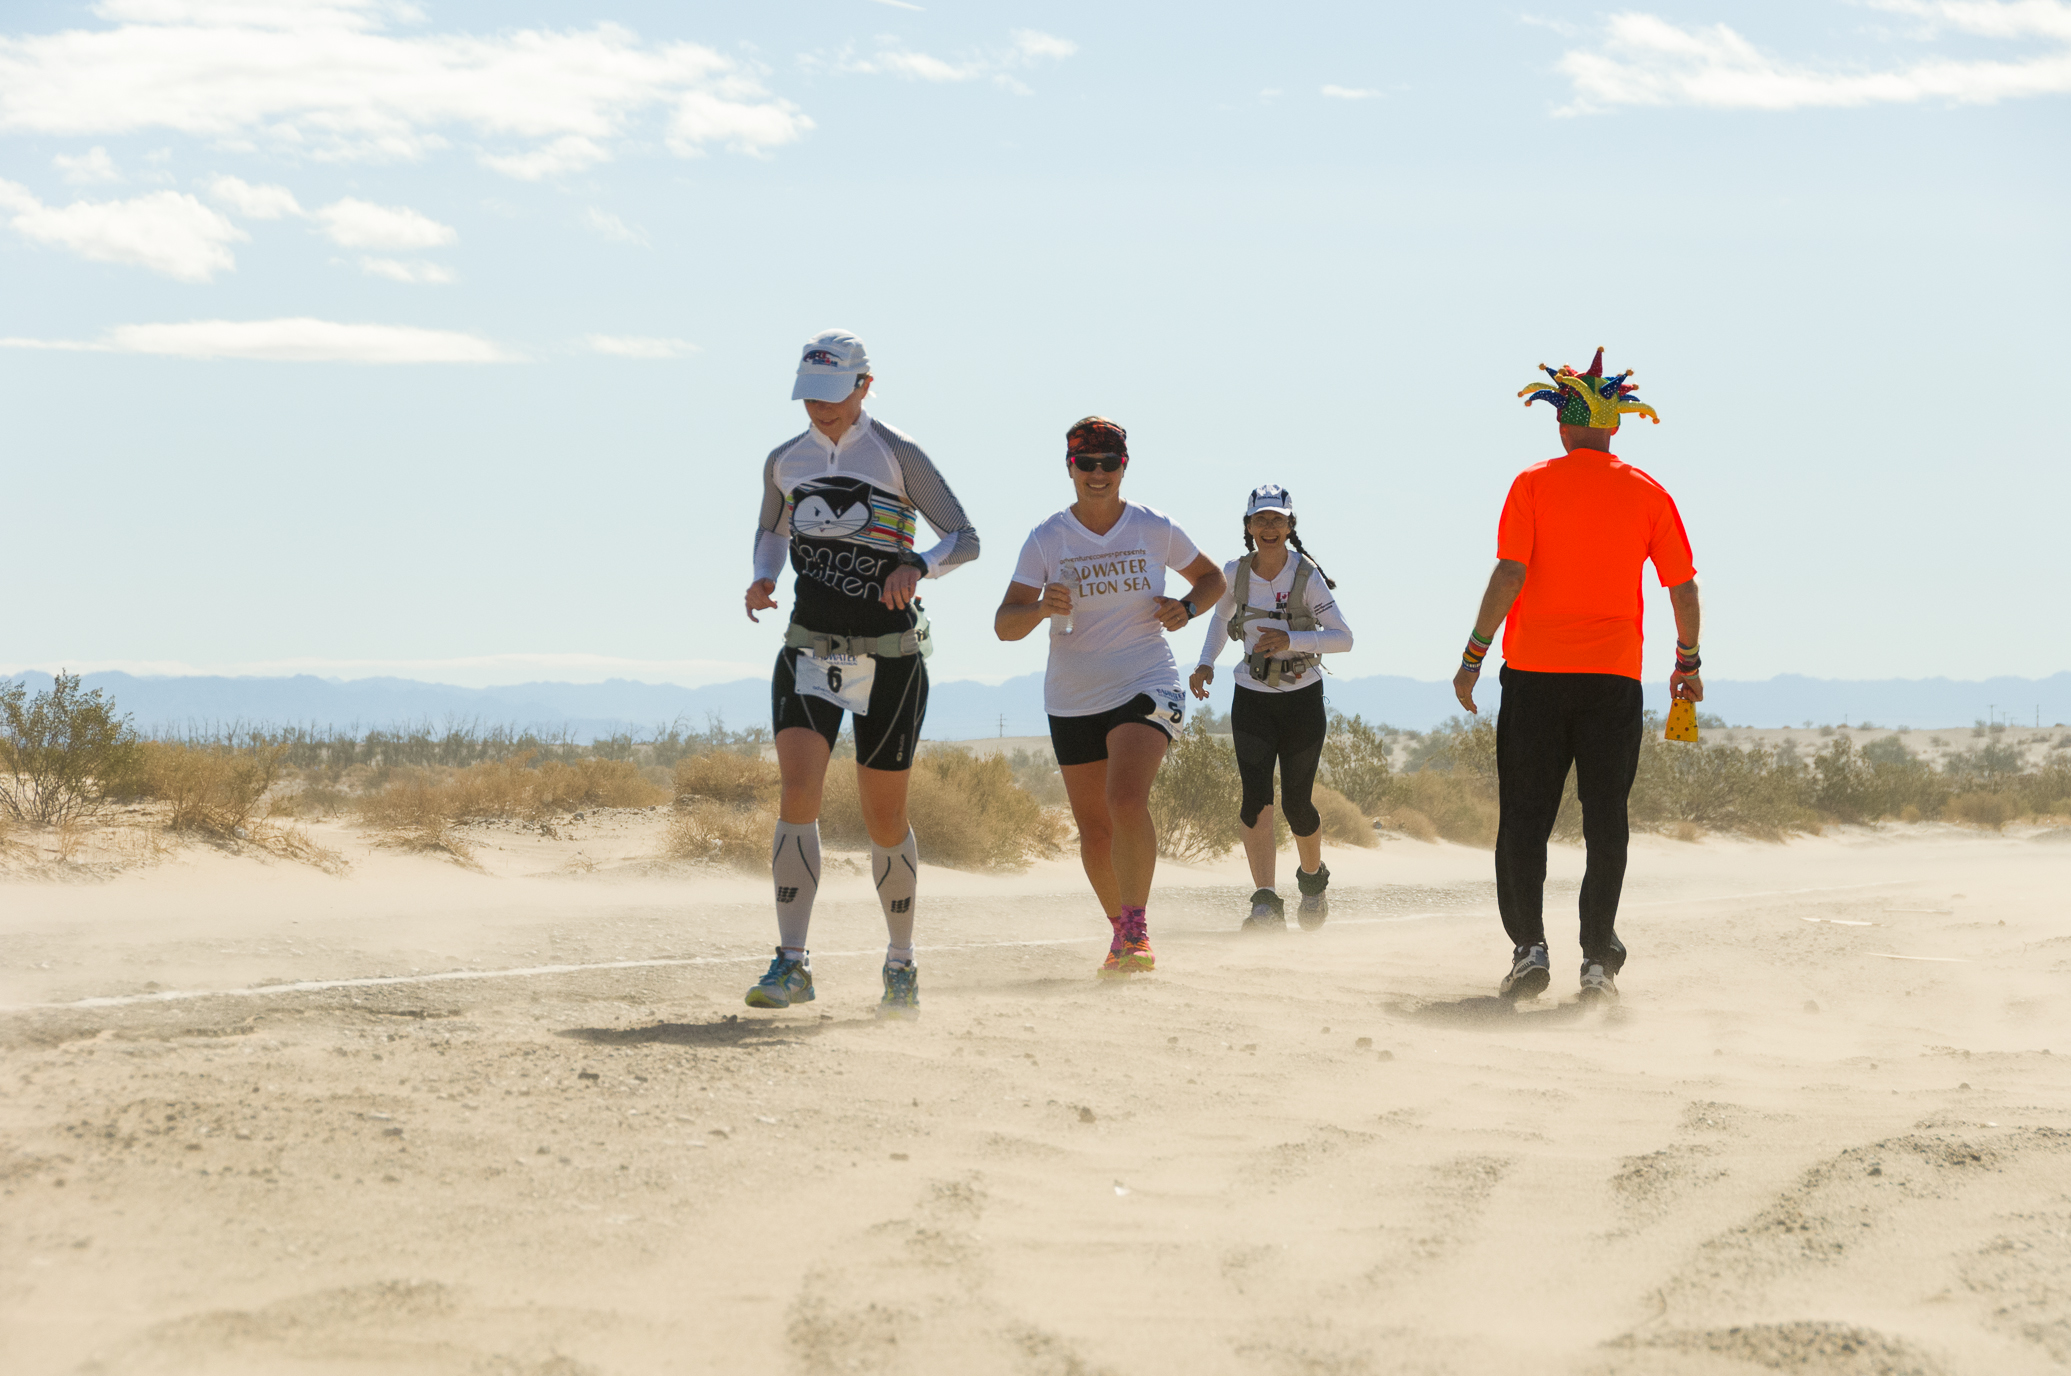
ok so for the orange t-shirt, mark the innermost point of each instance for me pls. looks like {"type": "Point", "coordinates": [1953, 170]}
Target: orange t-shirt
{"type": "Point", "coordinates": [1582, 525]}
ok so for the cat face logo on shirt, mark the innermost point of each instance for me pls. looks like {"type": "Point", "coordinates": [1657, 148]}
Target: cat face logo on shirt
{"type": "Point", "coordinates": [831, 509]}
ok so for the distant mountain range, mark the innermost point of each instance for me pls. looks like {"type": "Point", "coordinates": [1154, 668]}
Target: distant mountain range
{"type": "Point", "coordinates": [961, 709]}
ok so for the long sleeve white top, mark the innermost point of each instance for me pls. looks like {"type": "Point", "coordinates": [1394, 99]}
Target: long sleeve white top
{"type": "Point", "coordinates": [1333, 635]}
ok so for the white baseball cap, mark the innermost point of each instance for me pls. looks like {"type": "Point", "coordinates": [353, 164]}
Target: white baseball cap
{"type": "Point", "coordinates": [1269, 497]}
{"type": "Point", "coordinates": [829, 367]}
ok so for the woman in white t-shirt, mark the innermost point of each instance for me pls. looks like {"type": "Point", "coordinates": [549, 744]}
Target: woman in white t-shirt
{"type": "Point", "coordinates": [1288, 621]}
{"type": "Point", "coordinates": [1096, 572]}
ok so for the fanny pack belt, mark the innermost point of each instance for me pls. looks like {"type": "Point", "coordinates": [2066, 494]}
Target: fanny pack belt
{"type": "Point", "coordinates": [1271, 672]}
{"type": "Point", "coordinates": [898, 645]}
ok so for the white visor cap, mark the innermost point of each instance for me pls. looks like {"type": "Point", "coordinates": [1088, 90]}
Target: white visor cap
{"type": "Point", "coordinates": [1271, 497]}
{"type": "Point", "coordinates": [830, 366]}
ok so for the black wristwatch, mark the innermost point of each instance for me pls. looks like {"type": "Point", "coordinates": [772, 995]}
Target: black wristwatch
{"type": "Point", "coordinates": [909, 560]}
{"type": "Point", "coordinates": [1188, 603]}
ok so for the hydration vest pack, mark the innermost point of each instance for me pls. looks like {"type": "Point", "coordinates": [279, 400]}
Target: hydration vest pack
{"type": "Point", "coordinates": [1271, 670]}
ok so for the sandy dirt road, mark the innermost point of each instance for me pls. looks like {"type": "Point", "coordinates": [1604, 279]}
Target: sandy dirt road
{"type": "Point", "coordinates": [1788, 1148]}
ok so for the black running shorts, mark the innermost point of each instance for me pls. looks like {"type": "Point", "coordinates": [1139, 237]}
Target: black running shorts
{"type": "Point", "coordinates": [886, 736]}
{"type": "Point", "coordinates": [1083, 740]}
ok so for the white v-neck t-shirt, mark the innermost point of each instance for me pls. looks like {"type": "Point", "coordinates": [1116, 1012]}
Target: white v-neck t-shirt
{"type": "Point", "coordinates": [1116, 648]}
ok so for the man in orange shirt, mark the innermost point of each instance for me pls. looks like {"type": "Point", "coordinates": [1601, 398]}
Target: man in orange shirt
{"type": "Point", "coordinates": [1566, 589]}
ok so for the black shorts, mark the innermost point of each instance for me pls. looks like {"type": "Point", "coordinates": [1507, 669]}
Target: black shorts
{"type": "Point", "coordinates": [886, 736]}
{"type": "Point", "coordinates": [1083, 740]}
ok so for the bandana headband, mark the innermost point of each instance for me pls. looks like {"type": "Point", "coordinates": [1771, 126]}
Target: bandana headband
{"type": "Point", "coordinates": [1095, 437]}
{"type": "Point", "coordinates": [1589, 398]}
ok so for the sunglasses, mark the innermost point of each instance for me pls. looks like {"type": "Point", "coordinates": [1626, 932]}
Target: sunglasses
{"type": "Point", "coordinates": [1106, 463]}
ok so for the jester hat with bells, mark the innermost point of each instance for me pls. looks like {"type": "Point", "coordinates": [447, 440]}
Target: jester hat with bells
{"type": "Point", "coordinates": [1589, 398]}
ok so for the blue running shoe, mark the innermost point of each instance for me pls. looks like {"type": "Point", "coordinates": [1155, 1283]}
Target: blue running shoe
{"type": "Point", "coordinates": [787, 982]}
{"type": "Point", "coordinates": [1530, 973]}
{"type": "Point", "coordinates": [901, 1001]}
{"type": "Point", "coordinates": [1268, 913]}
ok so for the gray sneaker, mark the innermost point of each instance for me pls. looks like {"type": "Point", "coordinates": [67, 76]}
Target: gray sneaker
{"type": "Point", "coordinates": [1530, 973]}
{"type": "Point", "coordinates": [1315, 904]}
{"type": "Point", "coordinates": [1597, 985]}
{"type": "Point", "coordinates": [787, 982]}
{"type": "Point", "coordinates": [901, 1001]}
{"type": "Point", "coordinates": [1268, 913]}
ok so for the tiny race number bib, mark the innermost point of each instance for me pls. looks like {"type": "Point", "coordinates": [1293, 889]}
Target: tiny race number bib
{"type": "Point", "coordinates": [1170, 706]}
{"type": "Point", "coordinates": [844, 680]}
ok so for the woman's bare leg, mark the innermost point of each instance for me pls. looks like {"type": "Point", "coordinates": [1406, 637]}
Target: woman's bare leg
{"type": "Point", "coordinates": [1086, 786]}
{"type": "Point", "coordinates": [1134, 752]}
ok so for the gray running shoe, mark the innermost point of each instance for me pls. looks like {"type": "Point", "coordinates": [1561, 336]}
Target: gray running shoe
{"type": "Point", "coordinates": [1530, 973]}
{"type": "Point", "coordinates": [1268, 913]}
{"type": "Point", "coordinates": [901, 1001]}
{"type": "Point", "coordinates": [1597, 986]}
{"type": "Point", "coordinates": [786, 983]}
{"type": "Point", "coordinates": [1315, 904]}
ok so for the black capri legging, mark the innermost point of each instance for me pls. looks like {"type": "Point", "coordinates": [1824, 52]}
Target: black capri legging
{"type": "Point", "coordinates": [1289, 727]}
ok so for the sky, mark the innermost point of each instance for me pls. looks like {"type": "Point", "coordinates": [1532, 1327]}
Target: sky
{"type": "Point", "coordinates": [446, 340]}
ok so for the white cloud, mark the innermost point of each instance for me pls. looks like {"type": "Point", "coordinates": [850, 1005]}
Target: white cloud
{"type": "Point", "coordinates": [254, 202]}
{"type": "Point", "coordinates": [1026, 48]}
{"type": "Point", "coordinates": [91, 167]}
{"type": "Point", "coordinates": [612, 227]}
{"type": "Point", "coordinates": [331, 79]}
{"type": "Point", "coordinates": [299, 340]}
{"type": "Point", "coordinates": [1646, 60]}
{"type": "Point", "coordinates": [354, 223]}
{"type": "Point", "coordinates": [1350, 93]}
{"type": "Point", "coordinates": [396, 270]}
{"type": "Point", "coordinates": [564, 155]}
{"type": "Point", "coordinates": [166, 231]}
{"type": "Point", "coordinates": [637, 346]}
{"type": "Point", "coordinates": [1034, 43]}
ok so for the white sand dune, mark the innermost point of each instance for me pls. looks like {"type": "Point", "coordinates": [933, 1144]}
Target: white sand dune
{"type": "Point", "coordinates": [1827, 1130]}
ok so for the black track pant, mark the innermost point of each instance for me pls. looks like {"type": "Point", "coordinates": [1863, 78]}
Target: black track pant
{"type": "Point", "coordinates": [1288, 727]}
{"type": "Point", "coordinates": [1547, 722]}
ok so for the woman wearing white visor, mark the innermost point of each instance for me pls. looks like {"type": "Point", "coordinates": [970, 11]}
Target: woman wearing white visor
{"type": "Point", "coordinates": [1096, 572]}
{"type": "Point", "coordinates": [839, 504]}
{"type": "Point", "coordinates": [1280, 606]}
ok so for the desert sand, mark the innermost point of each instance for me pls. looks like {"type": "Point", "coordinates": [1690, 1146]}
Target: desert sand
{"type": "Point", "coordinates": [419, 1118]}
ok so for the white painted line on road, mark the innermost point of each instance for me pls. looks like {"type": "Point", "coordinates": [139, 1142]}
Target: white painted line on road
{"type": "Point", "coordinates": [319, 986]}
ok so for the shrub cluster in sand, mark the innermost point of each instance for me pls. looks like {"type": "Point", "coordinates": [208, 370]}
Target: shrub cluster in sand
{"type": "Point", "coordinates": [1442, 784]}
{"type": "Point", "coordinates": [967, 813]}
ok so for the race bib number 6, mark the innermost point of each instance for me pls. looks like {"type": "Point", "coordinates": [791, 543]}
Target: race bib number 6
{"type": "Point", "coordinates": [844, 680]}
{"type": "Point", "coordinates": [1171, 707]}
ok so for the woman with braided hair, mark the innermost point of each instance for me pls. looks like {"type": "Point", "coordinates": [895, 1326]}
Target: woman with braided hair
{"type": "Point", "coordinates": [1279, 605]}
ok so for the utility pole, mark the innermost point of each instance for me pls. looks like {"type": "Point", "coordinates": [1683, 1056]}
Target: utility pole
{"type": "Point", "coordinates": [1003, 726]}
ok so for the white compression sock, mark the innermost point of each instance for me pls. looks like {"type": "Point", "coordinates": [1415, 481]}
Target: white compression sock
{"type": "Point", "coordinates": [794, 862]}
{"type": "Point", "coordinates": [897, 872]}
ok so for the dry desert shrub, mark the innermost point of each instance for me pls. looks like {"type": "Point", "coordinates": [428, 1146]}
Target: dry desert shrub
{"type": "Point", "coordinates": [424, 801]}
{"type": "Point", "coordinates": [1410, 823]}
{"type": "Point", "coordinates": [1992, 810]}
{"type": "Point", "coordinates": [62, 752]}
{"type": "Point", "coordinates": [1343, 822]}
{"type": "Point", "coordinates": [712, 832]}
{"type": "Point", "coordinates": [209, 790]}
{"type": "Point", "coordinates": [726, 776]}
{"type": "Point", "coordinates": [1195, 799]}
{"type": "Point", "coordinates": [1456, 806]}
{"type": "Point", "coordinates": [967, 813]}
{"type": "Point", "coordinates": [1355, 762]}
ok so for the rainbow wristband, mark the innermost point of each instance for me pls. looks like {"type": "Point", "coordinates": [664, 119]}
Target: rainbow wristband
{"type": "Point", "coordinates": [1686, 659]}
